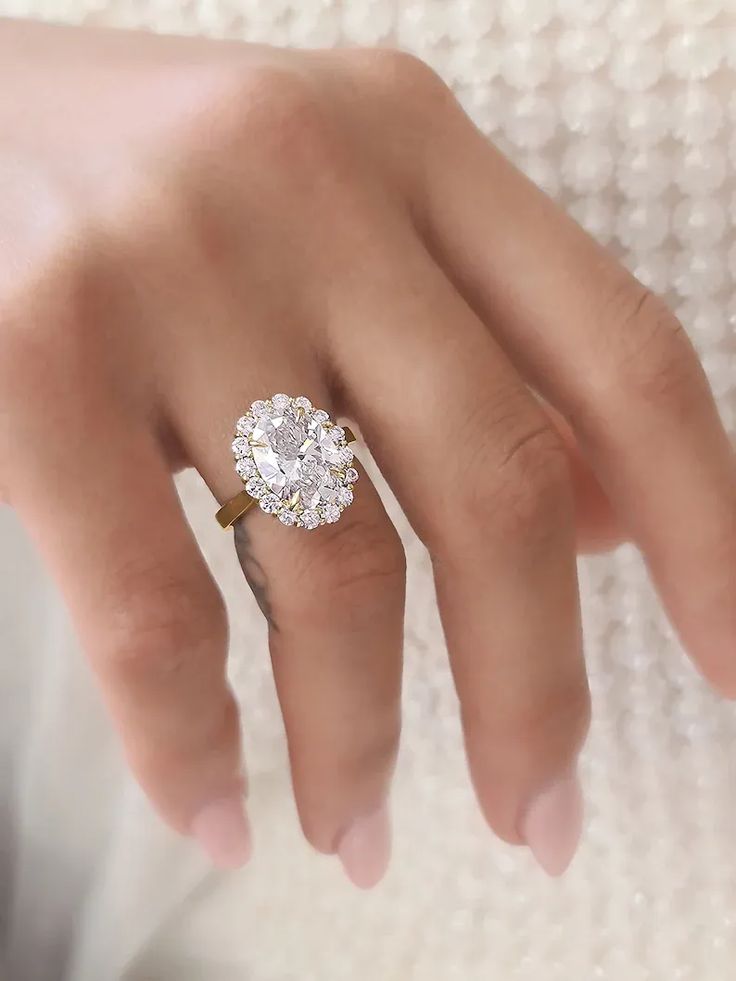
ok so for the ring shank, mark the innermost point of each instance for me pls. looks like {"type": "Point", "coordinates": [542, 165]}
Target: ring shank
{"type": "Point", "coordinates": [235, 508]}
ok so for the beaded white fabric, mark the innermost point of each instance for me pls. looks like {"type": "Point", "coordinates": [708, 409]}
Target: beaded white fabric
{"type": "Point", "coordinates": [624, 110]}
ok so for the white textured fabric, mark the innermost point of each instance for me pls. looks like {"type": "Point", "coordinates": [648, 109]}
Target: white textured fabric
{"type": "Point", "coordinates": [624, 110]}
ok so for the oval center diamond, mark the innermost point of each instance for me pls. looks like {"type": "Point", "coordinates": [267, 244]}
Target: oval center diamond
{"type": "Point", "coordinates": [294, 454]}
{"type": "Point", "coordinates": [294, 461]}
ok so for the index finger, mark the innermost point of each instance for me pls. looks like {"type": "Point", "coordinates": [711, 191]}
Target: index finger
{"type": "Point", "coordinates": [609, 354]}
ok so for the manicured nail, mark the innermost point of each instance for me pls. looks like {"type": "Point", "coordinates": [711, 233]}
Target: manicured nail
{"type": "Point", "coordinates": [365, 848]}
{"type": "Point", "coordinates": [223, 831]}
{"type": "Point", "coordinates": [553, 824]}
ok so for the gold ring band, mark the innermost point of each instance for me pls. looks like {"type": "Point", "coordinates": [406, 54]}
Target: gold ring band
{"type": "Point", "coordinates": [238, 506]}
{"type": "Point", "coordinates": [235, 508]}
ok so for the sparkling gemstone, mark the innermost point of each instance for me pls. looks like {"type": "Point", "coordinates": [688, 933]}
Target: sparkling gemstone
{"type": "Point", "coordinates": [245, 468]}
{"type": "Point", "coordinates": [256, 487]}
{"type": "Point", "coordinates": [345, 457]}
{"type": "Point", "coordinates": [293, 460]}
{"type": "Point", "coordinates": [270, 504]}
{"type": "Point", "coordinates": [345, 496]}
{"type": "Point", "coordinates": [280, 402]}
{"type": "Point", "coordinates": [241, 446]}
{"type": "Point", "coordinates": [309, 519]}
{"type": "Point", "coordinates": [294, 454]}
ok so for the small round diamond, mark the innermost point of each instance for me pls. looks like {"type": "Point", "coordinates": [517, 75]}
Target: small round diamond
{"type": "Point", "coordinates": [258, 408]}
{"type": "Point", "coordinates": [309, 519]}
{"type": "Point", "coordinates": [240, 446]}
{"type": "Point", "coordinates": [330, 513]}
{"type": "Point", "coordinates": [287, 517]}
{"type": "Point", "coordinates": [256, 487]}
{"type": "Point", "coordinates": [337, 433]}
{"type": "Point", "coordinates": [321, 416]}
{"type": "Point", "coordinates": [270, 504]}
{"type": "Point", "coordinates": [246, 467]}
{"type": "Point", "coordinates": [346, 456]}
{"type": "Point", "coordinates": [351, 475]}
{"type": "Point", "coordinates": [302, 402]}
{"type": "Point", "coordinates": [244, 425]}
{"type": "Point", "coordinates": [280, 402]}
{"type": "Point", "coordinates": [345, 496]}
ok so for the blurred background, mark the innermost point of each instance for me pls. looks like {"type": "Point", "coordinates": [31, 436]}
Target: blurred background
{"type": "Point", "coordinates": [624, 111]}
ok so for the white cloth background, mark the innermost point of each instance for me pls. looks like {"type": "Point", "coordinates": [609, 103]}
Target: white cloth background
{"type": "Point", "coordinates": [625, 111]}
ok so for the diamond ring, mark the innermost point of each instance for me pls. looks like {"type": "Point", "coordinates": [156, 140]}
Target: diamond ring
{"type": "Point", "coordinates": [295, 463]}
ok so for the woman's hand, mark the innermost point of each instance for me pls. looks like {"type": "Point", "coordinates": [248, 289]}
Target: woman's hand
{"type": "Point", "coordinates": [186, 226]}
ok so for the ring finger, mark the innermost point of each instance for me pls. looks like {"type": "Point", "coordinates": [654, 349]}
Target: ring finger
{"type": "Point", "coordinates": [334, 599]}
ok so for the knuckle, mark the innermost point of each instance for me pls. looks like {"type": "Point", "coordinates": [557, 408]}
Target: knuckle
{"type": "Point", "coordinates": [274, 115]}
{"type": "Point", "coordinates": [534, 491]}
{"type": "Point", "coordinates": [527, 482]}
{"type": "Point", "coordinates": [651, 358]}
{"type": "Point", "coordinates": [250, 133]}
{"type": "Point", "coordinates": [363, 558]}
{"type": "Point", "coordinates": [392, 70]}
{"type": "Point", "coordinates": [44, 323]}
{"type": "Point", "coordinates": [163, 620]}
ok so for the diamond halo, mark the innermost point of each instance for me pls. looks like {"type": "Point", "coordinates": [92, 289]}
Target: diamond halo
{"type": "Point", "coordinates": [294, 461]}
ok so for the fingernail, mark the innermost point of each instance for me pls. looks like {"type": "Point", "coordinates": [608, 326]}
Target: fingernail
{"type": "Point", "coordinates": [223, 831]}
{"type": "Point", "coordinates": [365, 848]}
{"type": "Point", "coordinates": [553, 824]}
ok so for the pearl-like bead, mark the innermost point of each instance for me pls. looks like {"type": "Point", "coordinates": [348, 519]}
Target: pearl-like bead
{"type": "Point", "coordinates": [530, 121]}
{"type": "Point", "coordinates": [636, 67]}
{"type": "Point", "coordinates": [642, 225]}
{"type": "Point", "coordinates": [587, 106]}
{"type": "Point", "coordinates": [587, 166]}
{"type": "Point", "coordinates": [695, 54]}
{"type": "Point", "coordinates": [524, 16]}
{"type": "Point", "coordinates": [580, 50]}
{"type": "Point", "coordinates": [700, 222]}
{"type": "Point", "coordinates": [632, 20]}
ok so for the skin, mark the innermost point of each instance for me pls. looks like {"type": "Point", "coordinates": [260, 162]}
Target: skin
{"type": "Point", "coordinates": [188, 225]}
